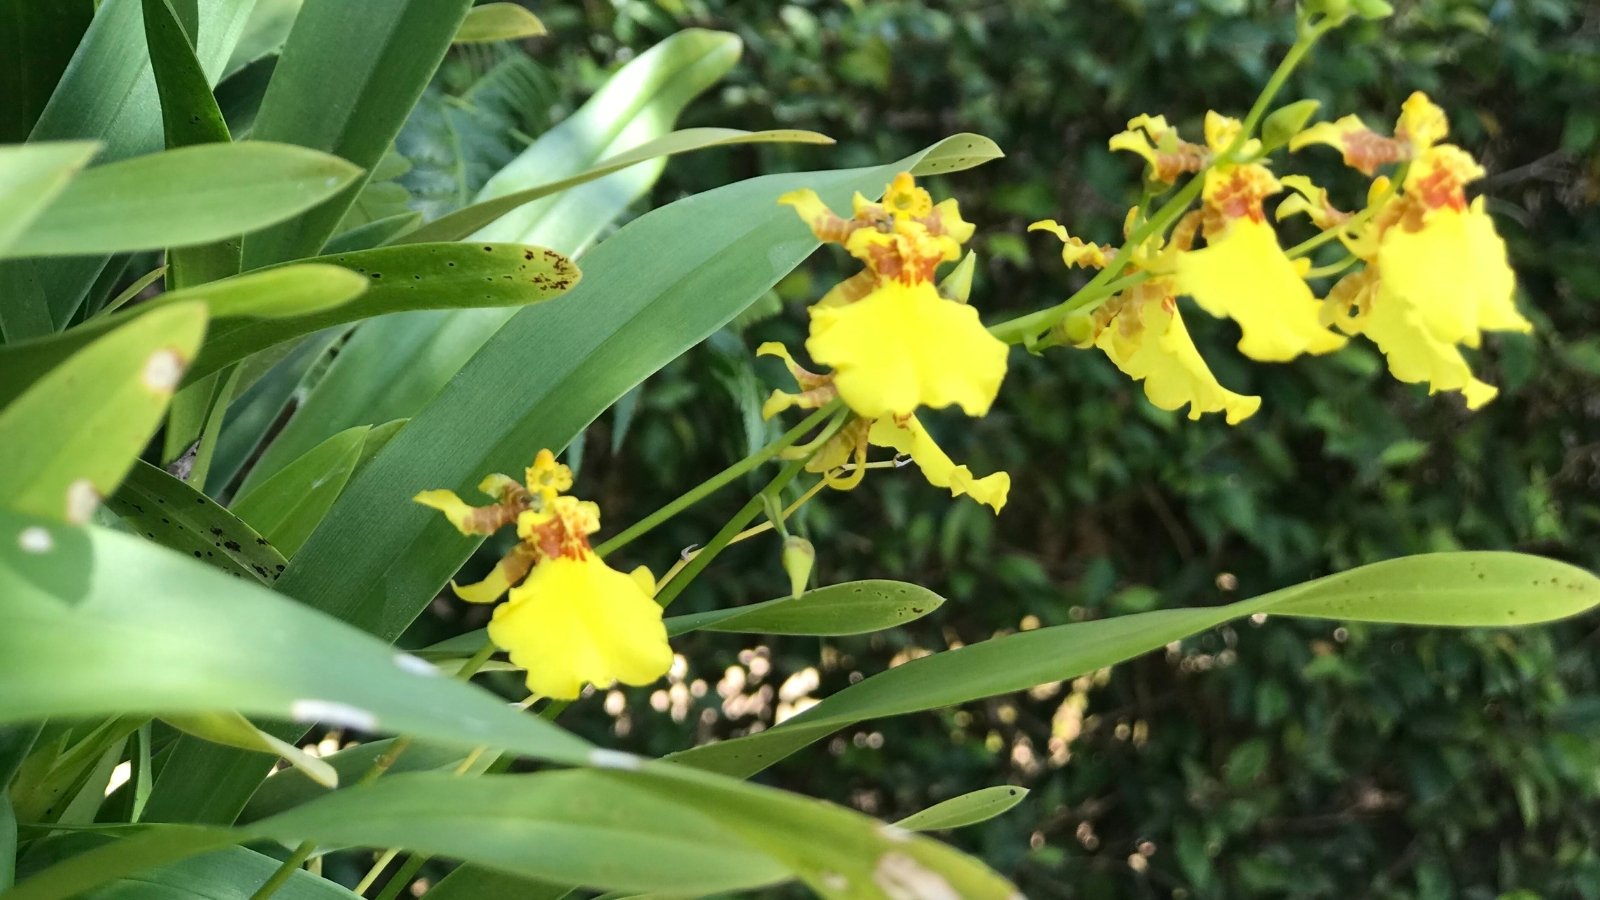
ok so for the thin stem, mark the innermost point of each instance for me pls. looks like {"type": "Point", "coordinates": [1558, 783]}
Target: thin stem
{"type": "Point", "coordinates": [285, 870]}
{"type": "Point", "coordinates": [711, 485]}
{"type": "Point", "coordinates": [1028, 328]}
{"type": "Point", "coordinates": [402, 877]}
{"type": "Point", "coordinates": [724, 537]}
{"type": "Point", "coordinates": [754, 530]}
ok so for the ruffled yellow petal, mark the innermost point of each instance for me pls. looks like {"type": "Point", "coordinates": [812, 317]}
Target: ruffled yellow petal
{"type": "Point", "coordinates": [1417, 357]}
{"type": "Point", "coordinates": [1157, 349]}
{"type": "Point", "coordinates": [914, 441]}
{"type": "Point", "coordinates": [947, 219]}
{"type": "Point", "coordinates": [1422, 123]}
{"type": "Point", "coordinates": [904, 346]}
{"type": "Point", "coordinates": [1244, 275]}
{"type": "Point", "coordinates": [579, 621]}
{"type": "Point", "coordinates": [1453, 272]}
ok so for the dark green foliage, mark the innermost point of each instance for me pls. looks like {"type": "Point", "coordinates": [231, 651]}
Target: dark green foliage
{"type": "Point", "coordinates": [1280, 759]}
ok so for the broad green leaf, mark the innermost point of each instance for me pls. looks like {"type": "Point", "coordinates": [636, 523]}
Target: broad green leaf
{"type": "Point", "coordinates": [233, 730]}
{"type": "Point", "coordinates": [642, 826]}
{"type": "Point", "coordinates": [31, 176]}
{"type": "Point", "coordinates": [143, 620]}
{"type": "Point", "coordinates": [416, 276]}
{"type": "Point", "coordinates": [491, 22]}
{"type": "Point", "coordinates": [967, 809]}
{"type": "Point", "coordinates": [182, 197]}
{"type": "Point", "coordinates": [289, 291]}
{"type": "Point", "coordinates": [465, 222]}
{"type": "Point", "coordinates": [667, 280]}
{"type": "Point", "coordinates": [289, 788]}
{"type": "Point", "coordinates": [36, 42]}
{"type": "Point", "coordinates": [287, 506]}
{"type": "Point", "coordinates": [585, 827]}
{"type": "Point", "coordinates": [108, 93]}
{"type": "Point", "coordinates": [233, 873]}
{"type": "Point", "coordinates": [189, 115]}
{"type": "Point", "coordinates": [1484, 589]}
{"type": "Point", "coordinates": [73, 434]}
{"type": "Point", "coordinates": [855, 607]}
{"type": "Point", "coordinates": [264, 33]}
{"type": "Point", "coordinates": [166, 510]}
{"type": "Point", "coordinates": [349, 74]}
{"type": "Point", "coordinates": [391, 368]}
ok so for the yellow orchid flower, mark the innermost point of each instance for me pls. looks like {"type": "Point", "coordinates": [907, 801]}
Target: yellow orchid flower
{"type": "Point", "coordinates": [1143, 334]}
{"type": "Point", "coordinates": [894, 342]}
{"type": "Point", "coordinates": [1243, 274]}
{"type": "Point", "coordinates": [573, 620]}
{"type": "Point", "coordinates": [842, 459]}
{"type": "Point", "coordinates": [1141, 331]}
{"type": "Point", "coordinates": [904, 346]}
{"type": "Point", "coordinates": [1167, 155]}
{"type": "Point", "coordinates": [910, 438]}
{"type": "Point", "coordinates": [1437, 272]}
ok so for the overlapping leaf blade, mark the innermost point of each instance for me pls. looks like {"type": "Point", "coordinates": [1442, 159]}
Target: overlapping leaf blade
{"type": "Point", "coordinates": [1452, 589]}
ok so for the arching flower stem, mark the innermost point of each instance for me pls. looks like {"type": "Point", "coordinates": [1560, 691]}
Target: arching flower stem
{"type": "Point", "coordinates": [1029, 330]}
{"type": "Point", "coordinates": [714, 483]}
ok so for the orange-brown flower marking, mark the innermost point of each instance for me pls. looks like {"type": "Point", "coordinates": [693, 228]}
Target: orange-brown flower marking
{"type": "Point", "coordinates": [574, 620]}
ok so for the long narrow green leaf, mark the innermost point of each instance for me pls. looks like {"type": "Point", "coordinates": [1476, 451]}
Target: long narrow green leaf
{"type": "Point", "coordinates": [108, 93]}
{"type": "Point", "coordinates": [287, 506]}
{"type": "Point", "coordinates": [417, 276]}
{"type": "Point", "coordinates": [465, 222]}
{"type": "Point", "coordinates": [349, 75]}
{"type": "Point", "coordinates": [142, 620]}
{"type": "Point", "coordinates": [233, 873]}
{"type": "Point", "coordinates": [1486, 589]}
{"type": "Point", "coordinates": [182, 197]}
{"type": "Point", "coordinates": [391, 368]}
{"type": "Point", "coordinates": [642, 827]}
{"type": "Point", "coordinates": [855, 607]}
{"type": "Point", "coordinates": [31, 177]}
{"type": "Point", "coordinates": [288, 291]}
{"type": "Point", "coordinates": [36, 42]}
{"type": "Point", "coordinates": [662, 284]}
{"type": "Point", "coordinates": [968, 809]}
{"type": "Point", "coordinates": [72, 435]}
{"type": "Point", "coordinates": [166, 510]}
{"type": "Point", "coordinates": [189, 115]}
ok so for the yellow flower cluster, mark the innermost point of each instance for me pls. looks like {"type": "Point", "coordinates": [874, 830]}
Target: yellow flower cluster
{"type": "Point", "coordinates": [573, 620]}
{"type": "Point", "coordinates": [1434, 272]}
{"type": "Point", "coordinates": [895, 343]}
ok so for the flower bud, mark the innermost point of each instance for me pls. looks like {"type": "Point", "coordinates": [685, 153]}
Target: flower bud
{"type": "Point", "coordinates": [1372, 9]}
{"type": "Point", "coordinates": [1285, 122]}
{"type": "Point", "coordinates": [1076, 329]}
{"type": "Point", "coordinates": [798, 556]}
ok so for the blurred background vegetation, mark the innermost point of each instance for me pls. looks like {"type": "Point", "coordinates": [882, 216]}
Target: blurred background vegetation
{"type": "Point", "coordinates": [1266, 759]}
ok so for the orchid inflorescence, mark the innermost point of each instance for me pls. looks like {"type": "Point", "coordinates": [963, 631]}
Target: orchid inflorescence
{"type": "Point", "coordinates": [1424, 273]}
